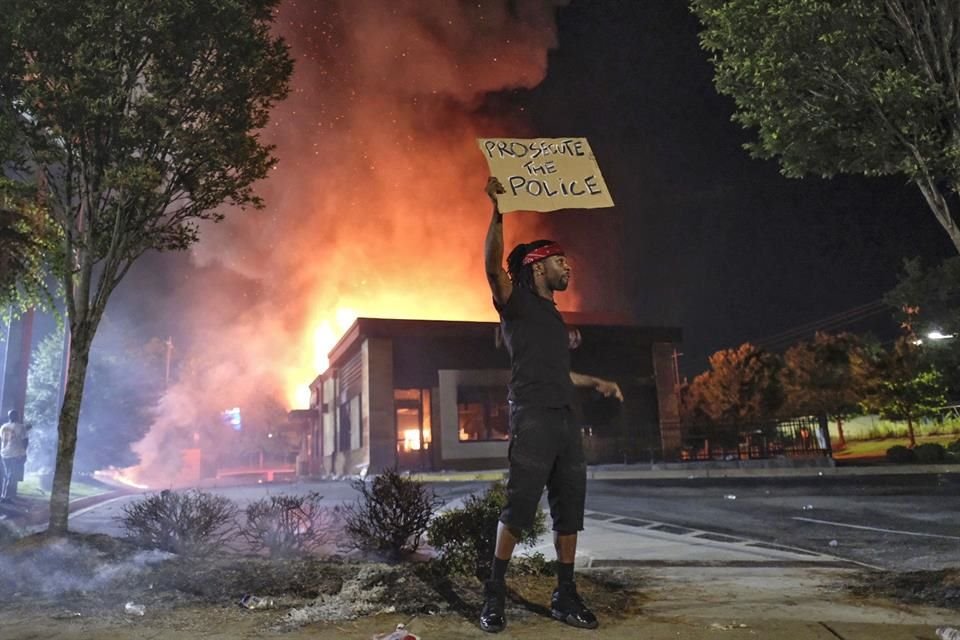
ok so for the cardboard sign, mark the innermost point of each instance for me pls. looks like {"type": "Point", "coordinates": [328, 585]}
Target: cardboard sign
{"type": "Point", "coordinates": [545, 174]}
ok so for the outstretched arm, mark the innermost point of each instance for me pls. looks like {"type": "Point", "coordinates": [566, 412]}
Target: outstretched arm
{"type": "Point", "coordinates": [499, 281]}
{"type": "Point", "coordinates": [605, 387]}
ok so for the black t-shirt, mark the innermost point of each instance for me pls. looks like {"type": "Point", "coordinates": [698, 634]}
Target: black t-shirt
{"type": "Point", "coordinates": [536, 338]}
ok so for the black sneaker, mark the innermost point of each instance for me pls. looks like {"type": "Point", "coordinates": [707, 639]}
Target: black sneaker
{"type": "Point", "coordinates": [567, 606]}
{"type": "Point", "coordinates": [492, 618]}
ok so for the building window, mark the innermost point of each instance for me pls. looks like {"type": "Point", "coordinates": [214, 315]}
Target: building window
{"type": "Point", "coordinates": [351, 425]}
{"type": "Point", "coordinates": [483, 413]}
{"type": "Point", "coordinates": [412, 407]}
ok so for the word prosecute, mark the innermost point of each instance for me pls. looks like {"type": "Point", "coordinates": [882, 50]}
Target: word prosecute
{"type": "Point", "coordinates": [534, 148]}
{"type": "Point", "coordinates": [542, 186]}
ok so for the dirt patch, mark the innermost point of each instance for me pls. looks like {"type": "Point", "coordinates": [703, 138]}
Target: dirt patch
{"type": "Point", "coordinates": [931, 588]}
{"type": "Point", "coordinates": [91, 577]}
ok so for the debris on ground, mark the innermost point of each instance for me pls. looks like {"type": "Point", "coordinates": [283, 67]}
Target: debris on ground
{"type": "Point", "coordinates": [940, 588]}
{"type": "Point", "coordinates": [728, 627]}
{"type": "Point", "coordinates": [400, 633]}
{"type": "Point", "coordinates": [135, 609]}
{"type": "Point", "coordinates": [948, 633]}
{"type": "Point", "coordinates": [250, 601]}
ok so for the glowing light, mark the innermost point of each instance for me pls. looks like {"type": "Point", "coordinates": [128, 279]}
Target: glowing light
{"type": "Point", "coordinates": [116, 476]}
{"type": "Point", "coordinates": [411, 440]}
{"type": "Point", "coordinates": [302, 397]}
{"type": "Point", "coordinates": [937, 335]}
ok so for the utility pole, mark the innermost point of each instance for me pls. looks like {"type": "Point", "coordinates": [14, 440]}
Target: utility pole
{"type": "Point", "coordinates": [166, 378]}
{"type": "Point", "coordinates": [16, 363]}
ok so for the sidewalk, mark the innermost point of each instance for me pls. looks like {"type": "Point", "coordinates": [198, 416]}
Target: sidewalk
{"type": "Point", "coordinates": [690, 471]}
{"type": "Point", "coordinates": [36, 511]}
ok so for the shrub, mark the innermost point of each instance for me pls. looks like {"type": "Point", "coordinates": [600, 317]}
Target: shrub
{"type": "Point", "coordinates": [192, 523]}
{"type": "Point", "coordinates": [391, 514]}
{"type": "Point", "coordinates": [466, 537]}
{"type": "Point", "coordinates": [288, 525]}
{"type": "Point", "coordinates": [930, 452]}
{"type": "Point", "coordinates": [900, 454]}
{"type": "Point", "coordinates": [9, 533]}
{"type": "Point", "coordinates": [954, 447]}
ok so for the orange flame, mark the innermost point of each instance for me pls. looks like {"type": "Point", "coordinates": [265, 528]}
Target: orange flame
{"type": "Point", "coordinates": [330, 326]}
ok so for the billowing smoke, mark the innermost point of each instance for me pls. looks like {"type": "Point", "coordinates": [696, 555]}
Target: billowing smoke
{"type": "Point", "coordinates": [376, 206]}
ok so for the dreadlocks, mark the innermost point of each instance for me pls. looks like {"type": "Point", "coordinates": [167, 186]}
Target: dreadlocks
{"type": "Point", "coordinates": [520, 274]}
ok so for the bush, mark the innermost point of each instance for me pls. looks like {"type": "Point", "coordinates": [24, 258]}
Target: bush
{"type": "Point", "coordinates": [9, 533]}
{"type": "Point", "coordinates": [900, 454]}
{"type": "Point", "coordinates": [930, 452]}
{"type": "Point", "coordinates": [954, 447]}
{"type": "Point", "coordinates": [466, 537]}
{"type": "Point", "coordinates": [191, 523]}
{"type": "Point", "coordinates": [390, 515]}
{"type": "Point", "coordinates": [288, 525]}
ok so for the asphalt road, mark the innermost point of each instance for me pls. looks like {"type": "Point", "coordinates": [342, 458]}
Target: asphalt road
{"type": "Point", "coordinates": [893, 522]}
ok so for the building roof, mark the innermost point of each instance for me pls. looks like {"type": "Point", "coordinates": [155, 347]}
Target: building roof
{"type": "Point", "coordinates": [394, 328]}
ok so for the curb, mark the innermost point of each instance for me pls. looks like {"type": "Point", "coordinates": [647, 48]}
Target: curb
{"type": "Point", "coordinates": [40, 511]}
{"type": "Point", "coordinates": [691, 473]}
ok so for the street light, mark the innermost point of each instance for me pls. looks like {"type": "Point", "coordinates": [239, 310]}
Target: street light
{"type": "Point", "coordinates": [937, 335]}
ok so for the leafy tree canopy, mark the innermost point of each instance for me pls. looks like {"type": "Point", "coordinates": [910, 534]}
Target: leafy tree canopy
{"type": "Point", "coordinates": [741, 385]}
{"type": "Point", "coordinates": [846, 86]}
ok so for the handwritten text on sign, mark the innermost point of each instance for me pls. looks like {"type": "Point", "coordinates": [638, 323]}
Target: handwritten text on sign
{"type": "Point", "coordinates": [546, 174]}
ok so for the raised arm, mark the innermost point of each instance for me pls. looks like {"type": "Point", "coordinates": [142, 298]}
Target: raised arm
{"type": "Point", "coordinates": [499, 281]}
{"type": "Point", "coordinates": [605, 387]}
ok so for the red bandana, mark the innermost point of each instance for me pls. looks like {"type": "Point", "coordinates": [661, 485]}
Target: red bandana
{"type": "Point", "coordinates": [552, 249]}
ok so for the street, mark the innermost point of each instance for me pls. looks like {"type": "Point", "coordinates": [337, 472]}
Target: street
{"type": "Point", "coordinates": [891, 522]}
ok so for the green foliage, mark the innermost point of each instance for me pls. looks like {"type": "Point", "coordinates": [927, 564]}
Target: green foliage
{"type": "Point", "coordinates": [391, 515]}
{"type": "Point", "coordinates": [930, 452]}
{"type": "Point", "coordinates": [189, 523]}
{"type": "Point", "coordinates": [28, 249]}
{"type": "Point", "coordinates": [288, 525]}
{"type": "Point", "coordinates": [900, 454]}
{"type": "Point", "coordinates": [466, 537]}
{"type": "Point", "coordinates": [742, 385]}
{"type": "Point", "coordinates": [824, 377]}
{"type": "Point", "coordinates": [928, 299]}
{"type": "Point", "coordinates": [136, 121]}
{"type": "Point", "coordinates": [125, 382]}
{"type": "Point", "coordinates": [845, 86]}
{"type": "Point", "coordinates": [901, 388]}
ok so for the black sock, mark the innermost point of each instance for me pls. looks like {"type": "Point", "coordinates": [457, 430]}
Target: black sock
{"type": "Point", "coordinates": [499, 573]}
{"type": "Point", "coordinates": [564, 573]}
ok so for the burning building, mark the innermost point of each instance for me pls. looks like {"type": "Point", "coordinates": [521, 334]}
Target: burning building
{"type": "Point", "coordinates": [432, 395]}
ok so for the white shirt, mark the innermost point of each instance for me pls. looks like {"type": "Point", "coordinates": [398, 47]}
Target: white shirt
{"type": "Point", "coordinates": [13, 440]}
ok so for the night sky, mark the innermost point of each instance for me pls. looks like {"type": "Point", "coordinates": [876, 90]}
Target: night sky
{"type": "Point", "coordinates": [703, 237]}
{"type": "Point", "coordinates": [713, 240]}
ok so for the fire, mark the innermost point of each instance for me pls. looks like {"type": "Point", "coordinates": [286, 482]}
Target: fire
{"type": "Point", "coordinates": [330, 326]}
{"type": "Point", "coordinates": [118, 476]}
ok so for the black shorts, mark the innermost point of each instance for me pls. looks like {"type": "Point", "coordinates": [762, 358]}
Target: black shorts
{"type": "Point", "coordinates": [546, 449]}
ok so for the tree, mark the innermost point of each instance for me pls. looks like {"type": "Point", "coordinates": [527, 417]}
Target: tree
{"type": "Point", "coordinates": [141, 119]}
{"type": "Point", "coordinates": [905, 389]}
{"type": "Point", "coordinates": [824, 377]}
{"type": "Point", "coordinates": [741, 386]}
{"type": "Point", "coordinates": [928, 300]}
{"type": "Point", "coordinates": [847, 87]}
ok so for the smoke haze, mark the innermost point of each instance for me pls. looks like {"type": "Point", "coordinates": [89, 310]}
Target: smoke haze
{"type": "Point", "coordinates": [374, 209]}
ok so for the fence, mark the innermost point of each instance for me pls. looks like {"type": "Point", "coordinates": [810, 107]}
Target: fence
{"type": "Point", "coordinates": [795, 438]}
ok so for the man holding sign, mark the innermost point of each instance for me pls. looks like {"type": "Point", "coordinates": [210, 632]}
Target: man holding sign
{"type": "Point", "coordinates": [545, 442]}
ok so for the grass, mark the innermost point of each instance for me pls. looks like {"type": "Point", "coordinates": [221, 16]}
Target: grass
{"type": "Point", "coordinates": [30, 488]}
{"type": "Point", "coordinates": [874, 428]}
{"type": "Point", "coordinates": [878, 448]}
